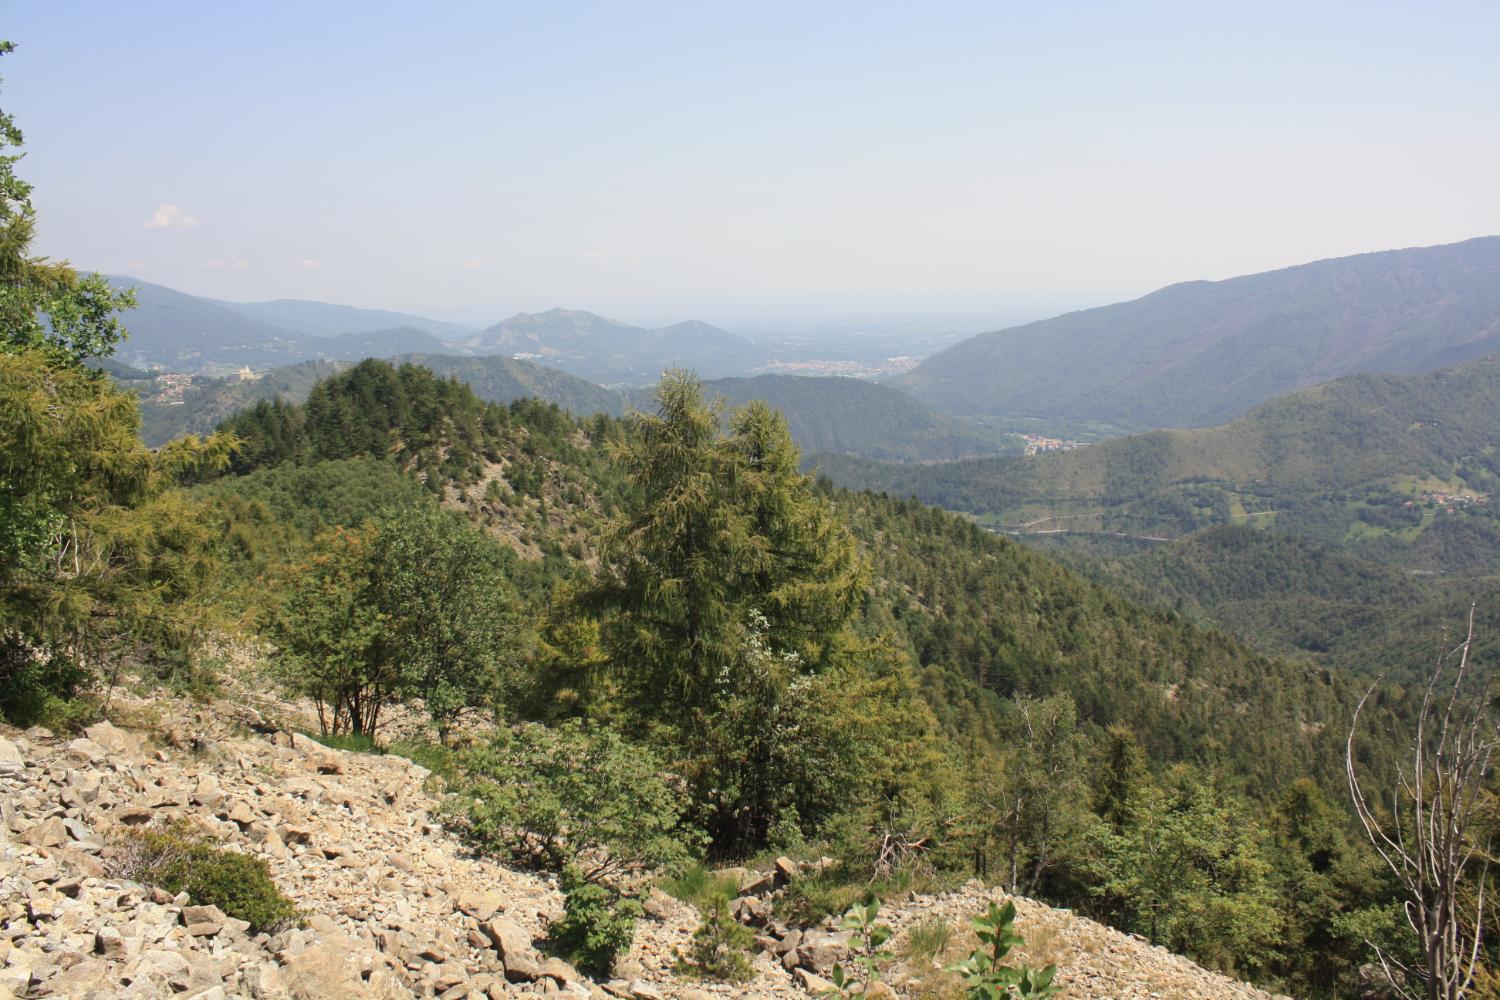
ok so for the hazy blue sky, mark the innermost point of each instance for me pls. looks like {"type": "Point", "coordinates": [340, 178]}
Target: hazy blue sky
{"type": "Point", "coordinates": [723, 160]}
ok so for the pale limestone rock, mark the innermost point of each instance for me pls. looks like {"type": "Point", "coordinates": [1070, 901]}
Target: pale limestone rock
{"type": "Point", "coordinates": [50, 832]}
{"type": "Point", "coordinates": [11, 761]}
{"type": "Point", "coordinates": [114, 739]}
{"type": "Point", "coordinates": [513, 945]}
{"type": "Point", "coordinates": [86, 751]}
{"type": "Point", "coordinates": [812, 982]}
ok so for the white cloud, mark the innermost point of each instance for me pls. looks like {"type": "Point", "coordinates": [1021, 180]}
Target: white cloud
{"type": "Point", "coordinates": [477, 263]}
{"type": "Point", "coordinates": [170, 217]}
{"type": "Point", "coordinates": [309, 262]}
{"type": "Point", "coordinates": [220, 264]}
{"type": "Point", "coordinates": [595, 254]}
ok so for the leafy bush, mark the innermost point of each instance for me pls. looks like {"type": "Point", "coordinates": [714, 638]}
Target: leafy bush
{"type": "Point", "coordinates": [36, 690]}
{"type": "Point", "coordinates": [984, 975]}
{"type": "Point", "coordinates": [598, 923]}
{"type": "Point", "coordinates": [178, 860]}
{"type": "Point", "coordinates": [571, 795]}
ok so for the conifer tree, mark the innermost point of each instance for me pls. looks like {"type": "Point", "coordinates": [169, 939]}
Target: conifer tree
{"type": "Point", "coordinates": [725, 584]}
{"type": "Point", "coordinates": [719, 531]}
{"type": "Point", "coordinates": [804, 564]}
{"type": "Point", "coordinates": [673, 583]}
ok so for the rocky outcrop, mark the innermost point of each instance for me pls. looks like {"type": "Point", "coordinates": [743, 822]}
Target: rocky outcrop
{"type": "Point", "coordinates": [394, 907]}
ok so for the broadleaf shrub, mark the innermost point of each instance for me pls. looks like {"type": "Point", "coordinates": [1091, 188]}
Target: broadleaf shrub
{"type": "Point", "coordinates": [598, 923]}
{"type": "Point", "coordinates": [570, 795]}
{"type": "Point", "coordinates": [179, 860]}
{"type": "Point", "coordinates": [868, 951]}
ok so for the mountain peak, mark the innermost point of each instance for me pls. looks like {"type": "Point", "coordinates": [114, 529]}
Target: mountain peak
{"type": "Point", "coordinates": [1198, 353]}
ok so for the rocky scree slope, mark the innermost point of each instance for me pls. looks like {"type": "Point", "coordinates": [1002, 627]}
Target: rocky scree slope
{"type": "Point", "coordinates": [394, 906]}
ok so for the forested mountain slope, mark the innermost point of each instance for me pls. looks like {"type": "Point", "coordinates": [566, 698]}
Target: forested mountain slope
{"type": "Point", "coordinates": [987, 619]}
{"type": "Point", "coordinates": [188, 333]}
{"type": "Point", "coordinates": [1295, 597]}
{"type": "Point", "coordinates": [990, 662]}
{"type": "Point", "coordinates": [838, 415]}
{"type": "Point", "coordinates": [1200, 353]}
{"type": "Point", "coordinates": [921, 701]}
{"type": "Point", "coordinates": [209, 401]}
{"type": "Point", "coordinates": [1399, 467]}
{"type": "Point", "coordinates": [498, 378]}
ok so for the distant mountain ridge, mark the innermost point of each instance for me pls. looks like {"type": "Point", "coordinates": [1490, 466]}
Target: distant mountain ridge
{"type": "Point", "coordinates": [183, 332]}
{"type": "Point", "coordinates": [1200, 353]}
{"type": "Point", "coordinates": [323, 319]}
{"type": "Point", "coordinates": [501, 379]}
{"type": "Point", "coordinates": [615, 353]}
{"type": "Point", "coordinates": [190, 333]}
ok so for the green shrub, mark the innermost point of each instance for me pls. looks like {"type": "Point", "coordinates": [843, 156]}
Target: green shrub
{"type": "Point", "coordinates": [38, 691]}
{"type": "Point", "coordinates": [434, 756]}
{"type": "Point", "coordinates": [717, 950]}
{"type": "Point", "coordinates": [867, 952]}
{"type": "Point", "coordinates": [179, 860]}
{"type": "Point", "coordinates": [598, 923]}
{"type": "Point", "coordinates": [571, 795]}
{"type": "Point", "coordinates": [67, 715]}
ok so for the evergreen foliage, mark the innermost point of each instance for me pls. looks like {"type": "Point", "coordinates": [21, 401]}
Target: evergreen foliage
{"type": "Point", "coordinates": [719, 944]}
{"type": "Point", "coordinates": [724, 590]}
{"type": "Point", "coordinates": [178, 859]}
{"type": "Point", "coordinates": [1192, 871]}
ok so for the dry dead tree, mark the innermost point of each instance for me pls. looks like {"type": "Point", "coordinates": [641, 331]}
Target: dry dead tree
{"type": "Point", "coordinates": [1432, 840]}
